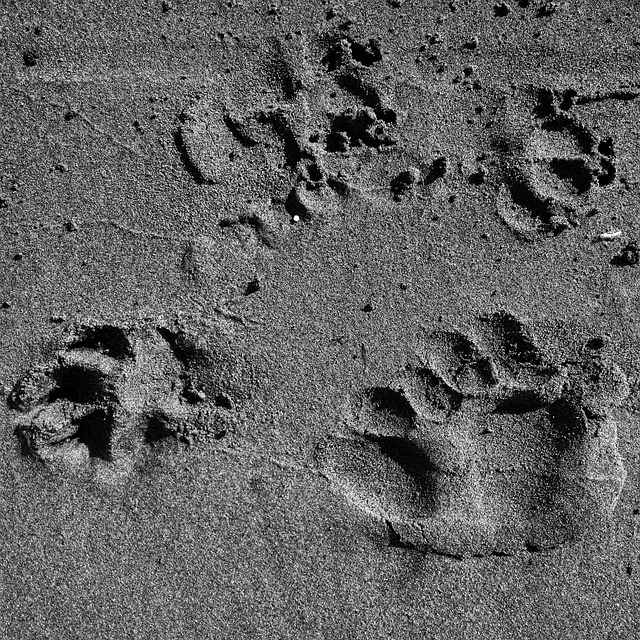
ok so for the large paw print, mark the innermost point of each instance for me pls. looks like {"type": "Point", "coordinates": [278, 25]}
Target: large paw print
{"type": "Point", "coordinates": [113, 391]}
{"type": "Point", "coordinates": [481, 446]}
{"type": "Point", "coordinates": [552, 164]}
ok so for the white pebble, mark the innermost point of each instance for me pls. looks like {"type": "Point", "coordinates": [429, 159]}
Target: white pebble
{"type": "Point", "coordinates": [610, 235]}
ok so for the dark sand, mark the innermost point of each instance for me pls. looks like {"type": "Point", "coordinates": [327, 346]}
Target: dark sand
{"type": "Point", "coordinates": [320, 320]}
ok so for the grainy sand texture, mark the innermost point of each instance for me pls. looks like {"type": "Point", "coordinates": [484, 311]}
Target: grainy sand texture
{"type": "Point", "coordinates": [320, 319]}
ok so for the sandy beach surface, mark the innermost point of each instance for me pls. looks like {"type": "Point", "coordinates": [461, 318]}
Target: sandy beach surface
{"type": "Point", "coordinates": [319, 320]}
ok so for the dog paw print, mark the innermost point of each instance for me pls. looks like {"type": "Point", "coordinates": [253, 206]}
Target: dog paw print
{"type": "Point", "coordinates": [329, 112]}
{"type": "Point", "coordinates": [553, 166]}
{"type": "Point", "coordinates": [481, 446]}
{"type": "Point", "coordinates": [272, 142]}
{"type": "Point", "coordinates": [108, 394]}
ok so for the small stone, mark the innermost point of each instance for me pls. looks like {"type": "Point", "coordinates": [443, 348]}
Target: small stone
{"type": "Point", "coordinates": [7, 304]}
{"type": "Point", "coordinates": [610, 235]}
{"type": "Point", "coordinates": [70, 226]}
{"type": "Point", "coordinates": [57, 319]}
{"type": "Point", "coordinates": [18, 256]}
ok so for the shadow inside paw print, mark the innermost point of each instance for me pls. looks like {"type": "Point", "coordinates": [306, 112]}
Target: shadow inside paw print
{"type": "Point", "coordinates": [481, 446]}
{"type": "Point", "coordinates": [113, 391]}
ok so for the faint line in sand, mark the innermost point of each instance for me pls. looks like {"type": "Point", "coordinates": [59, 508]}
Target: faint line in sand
{"type": "Point", "coordinates": [58, 105]}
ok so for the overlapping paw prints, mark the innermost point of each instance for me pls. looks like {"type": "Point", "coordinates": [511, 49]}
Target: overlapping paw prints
{"type": "Point", "coordinates": [112, 392]}
{"type": "Point", "coordinates": [481, 445]}
{"type": "Point", "coordinates": [329, 120]}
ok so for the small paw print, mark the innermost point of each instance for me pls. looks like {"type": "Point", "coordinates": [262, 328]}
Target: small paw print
{"type": "Point", "coordinates": [555, 171]}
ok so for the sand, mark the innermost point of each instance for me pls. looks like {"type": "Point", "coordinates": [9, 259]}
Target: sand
{"type": "Point", "coordinates": [319, 320]}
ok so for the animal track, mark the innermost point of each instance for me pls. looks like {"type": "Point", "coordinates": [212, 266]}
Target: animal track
{"type": "Point", "coordinates": [553, 167]}
{"type": "Point", "coordinates": [481, 446]}
{"type": "Point", "coordinates": [357, 127]}
{"type": "Point", "coordinates": [112, 391]}
{"type": "Point", "coordinates": [365, 125]}
{"type": "Point", "coordinates": [273, 141]}
{"type": "Point", "coordinates": [297, 148]}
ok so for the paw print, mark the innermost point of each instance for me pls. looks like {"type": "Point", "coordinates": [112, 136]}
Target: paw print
{"type": "Point", "coordinates": [481, 446]}
{"type": "Point", "coordinates": [553, 165]}
{"type": "Point", "coordinates": [329, 114]}
{"type": "Point", "coordinates": [111, 392]}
